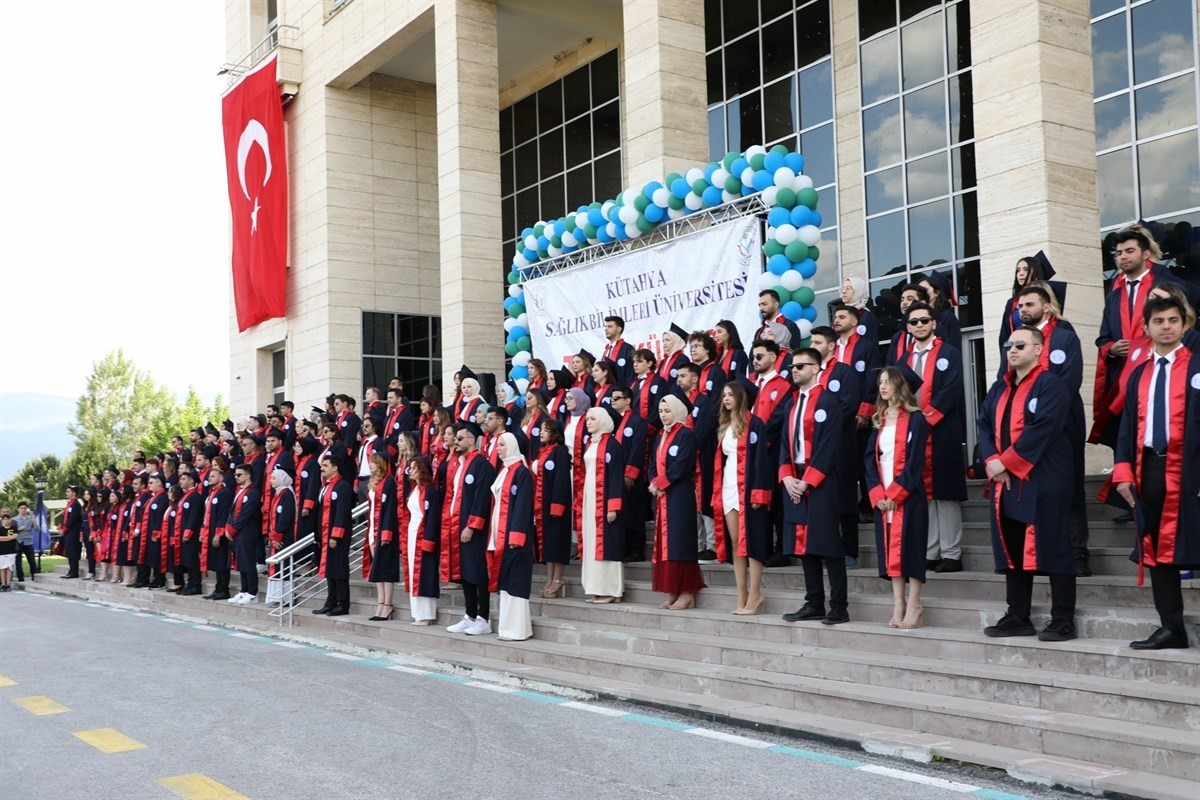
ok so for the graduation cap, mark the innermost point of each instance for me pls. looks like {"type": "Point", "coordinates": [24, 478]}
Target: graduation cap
{"type": "Point", "coordinates": [316, 410]}
{"type": "Point", "coordinates": [940, 282]}
{"type": "Point", "coordinates": [1047, 269]}
{"type": "Point", "coordinates": [274, 433]}
{"type": "Point", "coordinates": [473, 428]}
{"type": "Point", "coordinates": [465, 372]}
{"type": "Point", "coordinates": [330, 398]}
{"type": "Point", "coordinates": [228, 425]}
{"type": "Point", "coordinates": [113, 469]}
{"type": "Point", "coordinates": [586, 356]}
{"type": "Point", "coordinates": [291, 473]}
{"type": "Point", "coordinates": [563, 378]}
{"type": "Point", "coordinates": [678, 331]}
{"type": "Point", "coordinates": [73, 487]}
{"type": "Point", "coordinates": [199, 432]}
{"type": "Point", "coordinates": [210, 451]}
{"type": "Point", "coordinates": [308, 445]}
{"type": "Point", "coordinates": [261, 419]}
{"type": "Point", "coordinates": [210, 428]}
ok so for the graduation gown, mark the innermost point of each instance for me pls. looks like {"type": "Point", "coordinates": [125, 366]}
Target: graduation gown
{"type": "Point", "coordinates": [399, 420]}
{"type": "Point", "coordinates": [672, 470]}
{"type": "Point", "coordinates": [648, 391]}
{"type": "Point", "coordinates": [532, 432]}
{"type": "Point", "coordinates": [634, 438]}
{"type": "Point", "coordinates": [756, 482]}
{"type": "Point", "coordinates": [620, 353]}
{"type": "Point", "coordinates": [842, 381]}
{"type": "Point", "coordinates": [172, 535]}
{"type": "Point", "coordinates": [216, 514]}
{"type": "Point", "coordinates": [734, 363]}
{"type": "Point", "coordinates": [281, 522]}
{"type": "Point", "coordinates": [1178, 536]}
{"type": "Point", "coordinates": [245, 526]}
{"type": "Point", "coordinates": [72, 530]}
{"type": "Point", "coordinates": [381, 561]}
{"type": "Point", "coordinates": [422, 581]}
{"type": "Point", "coordinates": [513, 543]}
{"type": "Point", "coordinates": [307, 487]}
{"type": "Point", "coordinates": [862, 355]}
{"type": "Point", "coordinates": [428, 436]}
{"type": "Point", "coordinates": [942, 399]}
{"type": "Point", "coordinates": [552, 493]}
{"type": "Point", "coordinates": [189, 523]}
{"type": "Point", "coordinates": [349, 424]}
{"type": "Point", "coordinates": [138, 523]}
{"type": "Point", "coordinates": [471, 506]}
{"type": "Point", "coordinates": [153, 542]}
{"type": "Point", "coordinates": [901, 535]}
{"type": "Point", "coordinates": [445, 477]}
{"type": "Point", "coordinates": [811, 526]}
{"type": "Point", "coordinates": [610, 496]}
{"type": "Point", "coordinates": [668, 367]}
{"type": "Point", "coordinates": [769, 402]}
{"type": "Point", "coordinates": [336, 504]}
{"type": "Point", "coordinates": [948, 328]}
{"type": "Point", "coordinates": [1039, 467]}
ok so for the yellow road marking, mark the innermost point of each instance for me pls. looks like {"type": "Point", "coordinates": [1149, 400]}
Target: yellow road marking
{"type": "Point", "coordinates": [40, 705]}
{"type": "Point", "coordinates": [108, 740]}
{"type": "Point", "coordinates": [195, 786]}
{"type": "Point", "coordinates": [7, 681]}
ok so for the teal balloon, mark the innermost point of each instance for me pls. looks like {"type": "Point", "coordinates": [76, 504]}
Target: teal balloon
{"type": "Point", "coordinates": [807, 197]}
{"type": "Point", "coordinates": [556, 241]}
{"type": "Point", "coordinates": [772, 248]}
{"type": "Point", "coordinates": [674, 176]}
{"type": "Point", "coordinates": [569, 222]}
{"type": "Point", "coordinates": [589, 231]}
{"type": "Point", "coordinates": [804, 295]}
{"type": "Point", "coordinates": [524, 343]}
{"type": "Point", "coordinates": [785, 198]}
{"type": "Point", "coordinates": [780, 149]}
{"type": "Point", "coordinates": [675, 202]}
{"type": "Point", "coordinates": [516, 310]}
{"type": "Point", "coordinates": [756, 161]}
{"type": "Point", "coordinates": [814, 253]}
{"type": "Point", "coordinates": [733, 185]}
{"type": "Point", "coordinates": [539, 229]}
{"type": "Point", "coordinates": [699, 186]}
{"type": "Point", "coordinates": [729, 158]}
{"type": "Point", "coordinates": [640, 202]}
{"type": "Point", "coordinates": [511, 349]}
{"type": "Point", "coordinates": [513, 278]}
{"type": "Point", "coordinates": [796, 252]}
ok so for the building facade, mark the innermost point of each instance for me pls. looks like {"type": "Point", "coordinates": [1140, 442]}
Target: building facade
{"type": "Point", "coordinates": [952, 135]}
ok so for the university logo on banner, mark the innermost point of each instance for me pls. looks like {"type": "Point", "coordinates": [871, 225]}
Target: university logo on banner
{"type": "Point", "coordinates": [256, 167]}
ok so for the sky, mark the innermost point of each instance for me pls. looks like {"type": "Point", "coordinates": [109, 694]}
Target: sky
{"type": "Point", "coordinates": [116, 212]}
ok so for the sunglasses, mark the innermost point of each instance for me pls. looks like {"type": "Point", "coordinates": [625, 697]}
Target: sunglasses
{"type": "Point", "coordinates": [759, 356]}
{"type": "Point", "coordinates": [805, 364]}
{"type": "Point", "coordinates": [920, 321]}
{"type": "Point", "coordinates": [1017, 345]}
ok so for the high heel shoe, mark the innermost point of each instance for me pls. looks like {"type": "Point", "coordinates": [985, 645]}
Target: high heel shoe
{"type": "Point", "coordinates": [748, 611]}
{"type": "Point", "coordinates": [897, 618]}
{"type": "Point", "coordinates": [554, 589]}
{"type": "Point", "coordinates": [689, 603]}
{"type": "Point", "coordinates": [385, 617]}
{"type": "Point", "coordinates": [916, 623]}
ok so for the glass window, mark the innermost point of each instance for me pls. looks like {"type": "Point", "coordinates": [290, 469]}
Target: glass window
{"type": "Point", "coordinates": [749, 124]}
{"type": "Point", "coordinates": [779, 110]}
{"type": "Point", "coordinates": [415, 354]}
{"type": "Point", "coordinates": [924, 120]}
{"type": "Point", "coordinates": [716, 134]}
{"type": "Point", "coordinates": [742, 66]}
{"type": "Point", "coordinates": [1162, 38]}
{"type": "Point", "coordinates": [929, 233]}
{"type": "Point", "coordinates": [880, 69]}
{"type": "Point", "coordinates": [966, 225]}
{"type": "Point", "coordinates": [911, 8]}
{"type": "Point", "coordinates": [527, 164]}
{"type": "Point", "coordinates": [1164, 107]}
{"type": "Point", "coordinates": [550, 106]}
{"type": "Point", "coordinates": [820, 162]}
{"type": "Point", "coordinates": [378, 335]}
{"type": "Point", "coordinates": [579, 140]}
{"type": "Point", "coordinates": [712, 24]}
{"type": "Point", "coordinates": [962, 168]}
{"type": "Point", "coordinates": [525, 118]}
{"type": "Point", "coordinates": [577, 93]}
{"type": "Point", "coordinates": [875, 16]}
{"type": "Point", "coordinates": [885, 245]}
{"type": "Point", "coordinates": [606, 128]}
{"type": "Point", "coordinates": [553, 202]}
{"type": "Point", "coordinates": [1169, 174]}
{"type": "Point", "coordinates": [958, 39]}
{"type": "Point", "coordinates": [579, 187]}
{"type": "Point", "coordinates": [812, 33]}
{"type": "Point", "coordinates": [881, 135]}
{"type": "Point", "coordinates": [816, 94]}
{"type": "Point", "coordinates": [278, 369]}
{"type": "Point", "coordinates": [715, 77]}
{"type": "Point", "coordinates": [605, 78]}
{"type": "Point", "coordinates": [550, 146]}
{"type": "Point", "coordinates": [927, 178]}
{"type": "Point", "coordinates": [962, 109]}
{"type": "Point", "coordinates": [1114, 176]}
{"type": "Point", "coordinates": [778, 49]}
{"type": "Point", "coordinates": [506, 128]}
{"type": "Point", "coordinates": [1110, 56]}
{"type": "Point", "coordinates": [607, 171]}
{"type": "Point", "coordinates": [921, 48]}
{"type": "Point", "coordinates": [885, 190]}
{"type": "Point", "coordinates": [1112, 122]}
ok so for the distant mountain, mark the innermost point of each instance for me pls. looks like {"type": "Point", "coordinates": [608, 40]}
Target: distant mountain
{"type": "Point", "coordinates": [33, 424]}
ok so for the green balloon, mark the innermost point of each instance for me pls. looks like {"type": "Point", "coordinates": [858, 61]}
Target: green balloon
{"type": "Point", "coordinates": [644, 225]}
{"type": "Point", "coordinates": [806, 342]}
{"type": "Point", "coordinates": [814, 253]}
{"type": "Point", "coordinates": [640, 202]}
{"type": "Point", "coordinates": [524, 343]}
{"type": "Point", "coordinates": [569, 222]}
{"type": "Point", "coordinates": [595, 204]}
{"type": "Point", "coordinates": [699, 186]}
{"type": "Point", "coordinates": [796, 251]}
{"type": "Point", "coordinates": [511, 349]}
{"type": "Point", "coordinates": [804, 295]}
{"type": "Point", "coordinates": [674, 176]}
{"type": "Point", "coordinates": [807, 197]}
{"type": "Point", "coordinates": [556, 241]}
{"type": "Point", "coordinates": [756, 161]}
{"type": "Point", "coordinates": [514, 278]}
{"type": "Point", "coordinates": [516, 310]}
{"type": "Point", "coordinates": [543, 254]}
{"type": "Point", "coordinates": [538, 230]}
{"type": "Point", "coordinates": [730, 157]}
{"type": "Point", "coordinates": [675, 202]}
{"type": "Point", "coordinates": [772, 248]}
{"type": "Point", "coordinates": [620, 200]}
{"type": "Point", "coordinates": [589, 231]}
{"type": "Point", "coordinates": [780, 149]}
{"type": "Point", "coordinates": [733, 185]}
{"type": "Point", "coordinates": [784, 294]}
{"type": "Point", "coordinates": [785, 198]}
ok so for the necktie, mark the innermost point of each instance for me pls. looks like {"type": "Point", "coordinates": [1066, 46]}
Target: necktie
{"type": "Point", "coordinates": [761, 381]}
{"type": "Point", "coordinates": [1131, 293]}
{"type": "Point", "coordinates": [1158, 432]}
{"type": "Point", "coordinates": [800, 401]}
{"type": "Point", "coordinates": [919, 361]}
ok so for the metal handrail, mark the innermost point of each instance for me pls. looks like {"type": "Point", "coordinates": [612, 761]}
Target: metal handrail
{"type": "Point", "coordinates": [298, 589]}
{"type": "Point", "coordinates": [286, 35]}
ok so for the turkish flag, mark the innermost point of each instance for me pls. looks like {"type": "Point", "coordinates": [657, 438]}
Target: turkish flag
{"type": "Point", "coordinates": [256, 166]}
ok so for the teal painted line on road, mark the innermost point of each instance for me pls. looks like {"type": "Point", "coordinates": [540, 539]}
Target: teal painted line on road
{"type": "Point", "coordinates": [656, 722]}
{"type": "Point", "coordinates": [539, 697]}
{"type": "Point", "coordinates": [376, 663]}
{"type": "Point", "coordinates": [993, 794]}
{"type": "Point", "coordinates": [824, 758]}
{"type": "Point", "coordinates": [441, 676]}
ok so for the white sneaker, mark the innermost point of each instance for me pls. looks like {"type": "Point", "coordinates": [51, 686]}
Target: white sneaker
{"type": "Point", "coordinates": [248, 598]}
{"type": "Point", "coordinates": [480, 627]}
{"type": "Point", "coordinates": [237, 598]}
{"type": "Point", "coordinates": [262, 569]}
{"type": "Point", "coordinates": [461, 626]}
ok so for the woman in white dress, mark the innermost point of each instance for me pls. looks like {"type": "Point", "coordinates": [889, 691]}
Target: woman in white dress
{"type": "Point", "coordinates": [510, 543]}
{"type": "Point", "coordinates": [602, 533]}
{"type": "Point", "coordinates": [575, 436]}
{"type": "Point", "coordinates": [421, 538]}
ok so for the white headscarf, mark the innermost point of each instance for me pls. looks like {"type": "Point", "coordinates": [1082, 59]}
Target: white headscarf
{"type": "Point", "coordinates": [604, 423]}
{"type": "Point", "coordinates": [285, 480]}
{"type": "Point", "coordinates": [469, 383]}
{"type": "Point", "coordinates": [678, 410]}
{"type": "Point", "coordinates": [859, 299]}
{"type": "Point", "coordinates": [514, 456]}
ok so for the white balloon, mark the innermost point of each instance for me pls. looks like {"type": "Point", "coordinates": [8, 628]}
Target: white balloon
{"type": "Point", "coordinates": [531, 242]}
{"type": "Point", "coordinates": [719, 176]}
{"type": "Point", "coordinates": [519, 260]}
{"type": "Point", "coordinates": [569, 240]}
{"type": "Point", "coordinates": [632, 231]}
{"type": "Point", "coordinates": [754, 150]}
{"type": "Point", "coordinates": [628, 214]}
{"type": "Point", "coordinates": [513, 291]}
{"type": "Point", "coordinates": [801, 182]}
{"type": "Point", "coordinates": [766, 280]}
{"type": "Point", "coordinates": [509, 324]}
{"type": "Point", "coordinates": [554, 252]}
{"type": "Point", "coordinates": [726, 197]}
{"type": "Point", "coordinates": [523, 321]}
{"type": "Point", "coordinates": [611, 228]}
{"type": "Point", "coordinates": [747, 176]}
{"type": "Point", "coordinates": [692, 175]}
{"type": "Point", "coordinates": [783, 177]}
{"type": "Point", "coordinates": [605, 207]}
{"type": "Point", "coordinates": [521, 359]}
{"type": "Point", "coordinates": [791, 280]}
{"type": "Point", "coordinates": [693, 202]}
{"type": "Point", "coordinates": [805, 327]}
{"type": "Point", "coordinates": [522, 383]}
{"type": "Point", "coordinates": [661, 197]}
{"type": "Point", "coordinates": [785, 234]}
{"type": "Point", "coordinates": [809, 234]}
{"type": "Point", "coordinates": [770, 233]}
{"type": "Point", "coordinates": [581, 219]}
{"type": "Point", "coordinates": [770, 195]}
{"type": "Point", "coordinates": [675, 213]}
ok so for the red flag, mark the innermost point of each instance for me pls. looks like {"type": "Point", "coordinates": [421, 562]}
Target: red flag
{"type": "Point", "coordinates": [256, 166]}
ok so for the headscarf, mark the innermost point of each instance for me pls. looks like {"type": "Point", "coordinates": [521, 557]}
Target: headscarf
{"type": "Point", "coordinates": [285, 480]}
{"type": "Point", "coordinates": [582, 401]}
{"type": "Point", "coordinates": [604, 423]}
{"type": "Point", "coordinates": [513, 448]}
{"type": "Point", "coordinates": [783, 336]}
{"type": "Point", "coordinates": [678, 410]}
{"type": "Point", "coordinates": [469, 383]}
{"type": "Point", "coordinates": [859, 299]}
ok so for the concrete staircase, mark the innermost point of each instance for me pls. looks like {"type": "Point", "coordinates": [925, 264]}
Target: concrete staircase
{"type": "Point", "coordinates": [1090, 714]}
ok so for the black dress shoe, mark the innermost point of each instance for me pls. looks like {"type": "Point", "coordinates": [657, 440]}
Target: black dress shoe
{"type": "Point", "coordinates": [1082, 568]}
{"type": "Point", "coordinates": [1060, 631]}
{"type": "Point", "coordinates": [1123, 518]}
{"type": "Point", "coordinates": [865, 518]}
{"type": "Point", "coordinates": [835, 618]}
{"type": "Point", "coordinates": [1010, 625]}
{"type": "Point", "coordinates": [322, 610]}
{"type": "Point", "coordinates": [931, 564]}
{"type": "Point", "coordinates": [69, 577]}
{"type": "Point", "coordinates": [949, 565]}
{"type": "Point", "coordinates": [339, 612]}
{"type": "Point", "coordinates": [209, 596]}
{"type": "Point", "coordinates": [1162, 639]}
{"type": "Point", "coordinates": [189, 592]}
{"type": "Point", "coordinates": [778, 560]}
{"type": "Point", "coordinates": [807, 612]}
{"type": "Point", "coordinates": [221, 596]}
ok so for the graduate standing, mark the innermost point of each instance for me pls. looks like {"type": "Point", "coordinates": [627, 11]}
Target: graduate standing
{"type": "Point", "coordinates": [245, 530]}
{"type": "Point", "coordinates": [1021, 425]}
{"type": "Point", "coordinates": [601, 531]}
{"type": "Point", "coordinates": [214, 550]}
{"type": "Point", "coordinates": [381, 550]}
{"type": "Point", "coordinates": [510, 541]}
{"type": "Point", "coordinates": [1158, 448]}
{"type": "Point", "coordinates": [470, 510]}
{"type": "Point", "coordinates": [72, 531]}
{"type": "Point", "coordinates": [420, 539]}
{"type": "Point", "coordinates": [190, 522]}
{"type": "Point", "coordinates": [553, 490]}
{"type": "Point", "coordinates": [676, 572]}
{"type": "Point", "coordinates": [336, 504]}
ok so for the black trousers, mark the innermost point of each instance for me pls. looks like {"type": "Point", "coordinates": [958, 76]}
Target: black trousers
{"type": "Point", "coordinates": [814, 582]}
{"type": "Point", "coordinates": [1018, 583]}
{"type": "Point", "coordinates": [849, 526]}
{"type": "Point", "coordinates": [177, 576]}
{"type": "Point", "coordinates": [193, 579]}
{"type": "Point", "coordinates": [90, 548]}
{"type": "Point", "coordinates": [337, 593]}
{"type": "Point", "coordinates": [1164, 579]}
{"type": "Point", "coordinates": [477, 599]}
{"type": "Point", "coordinates": [222, 587]}
{"type": "Point", "coordinates": [27, 551]}
{"type": "Point", "coordinates": [249, 579]}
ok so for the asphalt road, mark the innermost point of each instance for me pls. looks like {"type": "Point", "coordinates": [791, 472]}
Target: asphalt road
{"type": "Point", "coordinates": [208, 714]}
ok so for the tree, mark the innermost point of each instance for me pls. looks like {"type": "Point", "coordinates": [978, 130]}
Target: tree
{"type": "Point", "coordinates": [21, 487]}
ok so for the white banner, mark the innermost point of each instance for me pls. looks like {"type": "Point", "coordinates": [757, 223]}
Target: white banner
{"type": "Point", "coordinates": [694, 281]}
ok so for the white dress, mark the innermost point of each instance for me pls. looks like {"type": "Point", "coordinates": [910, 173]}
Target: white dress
{"type": "Point", "coordinates": [730, 496]}
{"type": "Point", "coordinates": [569, 433]}
{"type": "Point", "coordinates": [601, 578]}
{"type": "Point", "coordinates": [421, 607]}
{"type": "Point", "coordinates": [516, 621]}
{"type": "Point", "coordinates": [887, 453]}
